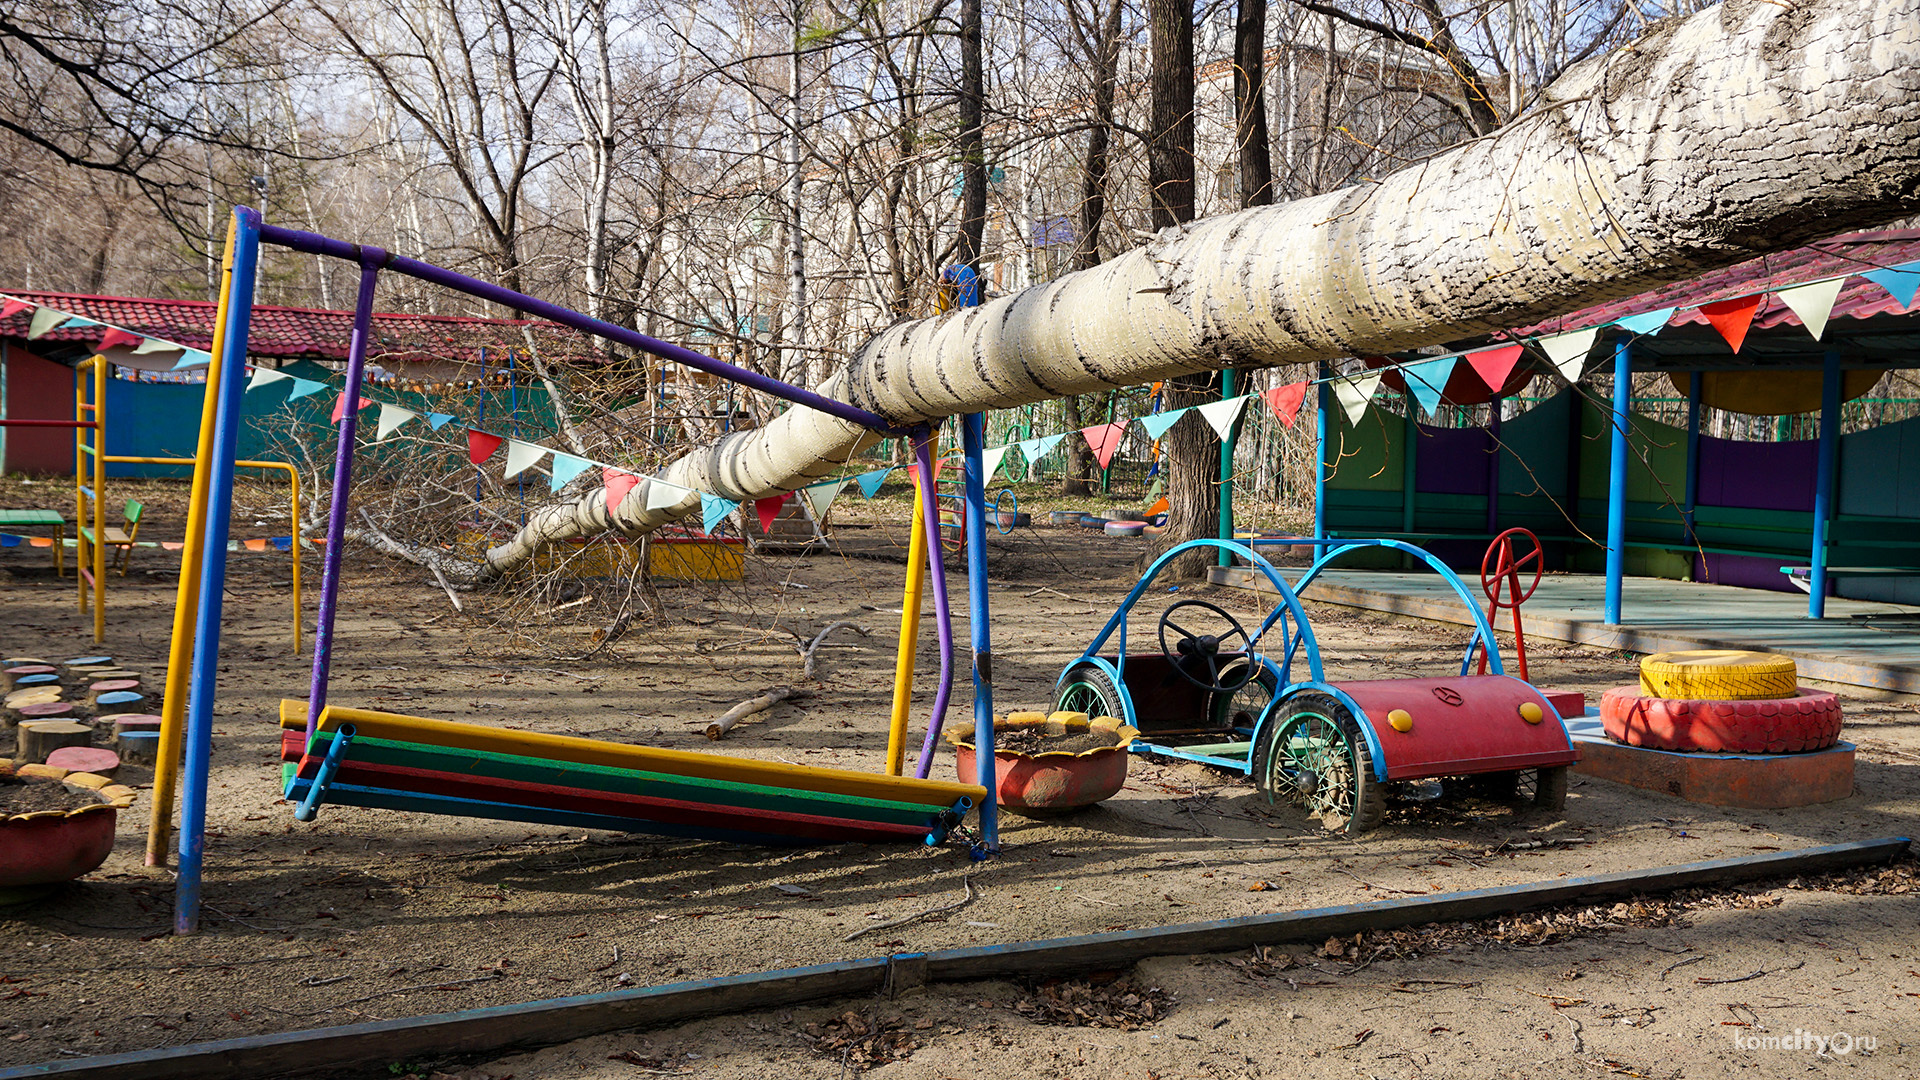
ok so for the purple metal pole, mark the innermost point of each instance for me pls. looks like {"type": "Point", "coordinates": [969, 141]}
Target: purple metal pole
{"type": "Point", "coordinates": [314, 244]}
{"type": "Point", "coordinates": [342, 483]}
{"type": "Point", "coordinates": [942, 613]}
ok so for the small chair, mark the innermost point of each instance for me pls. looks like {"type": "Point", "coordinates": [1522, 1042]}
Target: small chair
{"type": "Point", "coordinates": [121, 538]}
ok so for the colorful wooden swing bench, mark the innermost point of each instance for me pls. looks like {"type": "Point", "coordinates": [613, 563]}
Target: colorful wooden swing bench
{"type": "Point", "coordinates": [360, 757]}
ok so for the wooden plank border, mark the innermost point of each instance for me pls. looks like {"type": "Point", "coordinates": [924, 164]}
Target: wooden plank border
{"type": "Point", "coordinates": [537, 1023]}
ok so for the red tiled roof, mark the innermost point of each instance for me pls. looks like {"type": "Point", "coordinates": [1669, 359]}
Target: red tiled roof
{"type": "Point", "coordinates": [290, 333]}
{"type": "Point", "coordinates": [1850, 253]}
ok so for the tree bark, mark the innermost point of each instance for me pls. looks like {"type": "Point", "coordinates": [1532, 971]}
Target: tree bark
{"type": "Point", "coordinates": [973, 150]}
{"type": "Point", "coordinates": [1250, 104]}
{"type": "Point", "coordinates": [1170, 124]}
{"type": "Point", "coordinates": [1748, 128]}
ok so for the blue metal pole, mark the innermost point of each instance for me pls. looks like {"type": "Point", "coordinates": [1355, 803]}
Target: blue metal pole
{"type": "Point", "coordinates": [1617, 477]}
{"type": "Point", "coordinates": [198, 751]}
{"type": "Point", "coordinates": [1824, 484]}
{"type": "Point", "coordinates": [973, 441]}
{"type": "Point", "coordinates": [1693, 455]}
{"type": "Point", "coordinates": [1324, 401]}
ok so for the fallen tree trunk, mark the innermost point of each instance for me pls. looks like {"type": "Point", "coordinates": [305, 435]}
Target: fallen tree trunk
{"type": "Point", "coordinates": [1749, 127]}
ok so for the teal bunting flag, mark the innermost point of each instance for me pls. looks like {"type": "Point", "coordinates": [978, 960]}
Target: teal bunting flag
{"type": "Point", "coordinates": [303, 387]}
{"type": "Point", "coordinates": [1901, 281]}
{"type": "Point", "coordinates": [1043, 445]}
{"type": "Point", "coordinates": [76, 322]}
{"type": "Point", "coordinates": [1157, 424]}
{"type": "Point", "coordinates": [192, 358]}
{"type": "Point", "coordinates": [714, 510]}
{"type": "Point", "coordinates": [565, 466]}
{"type": "Point", "coordinates": [438, 420]}
{"type": "Point", "coordinates": [1649, 322]}
{"type": "Point", "coordinates": [1427, 380]}
{"type": "Point", "coordinates": [870, 481]}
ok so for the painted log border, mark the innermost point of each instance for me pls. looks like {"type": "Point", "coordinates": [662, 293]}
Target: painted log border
{"type": "Point", "coordinates": [537, 1023]}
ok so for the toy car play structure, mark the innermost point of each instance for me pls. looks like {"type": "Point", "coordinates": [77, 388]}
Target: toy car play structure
{"type": "Point", "coordinates": [1233, 700]}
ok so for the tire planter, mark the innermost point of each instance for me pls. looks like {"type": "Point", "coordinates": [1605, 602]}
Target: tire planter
{"type": "Point", "coordinates": [1065, 517]}
{"type": "Point", "coordinates": [1053, 782]}
{"type": "Point", "coordinates": [1809, 720]}
{"type": "Point", "coordinates": [47, 847]}
{"type": "Point", "coordinates": [1125, 528]}
{"type": "Point", "coordinates": [1719, 675]}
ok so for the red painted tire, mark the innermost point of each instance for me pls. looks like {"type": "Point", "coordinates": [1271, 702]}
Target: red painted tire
{"type": "Point", "coordinates": [1809, 720]}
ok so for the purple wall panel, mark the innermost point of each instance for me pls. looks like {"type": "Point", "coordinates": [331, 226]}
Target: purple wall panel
{"type": "Point", "coordinates": [1746, 572]}
{"type": "Point", "coordinates": [1451, 461]}
{"type": "Point", "coordinates": [1759, 476]}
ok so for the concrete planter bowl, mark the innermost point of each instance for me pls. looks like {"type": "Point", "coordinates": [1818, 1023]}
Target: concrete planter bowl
{"type": "Point", "coordinates": [1051, 782]}
{"type": "Point", "coordinates": [47, 847]}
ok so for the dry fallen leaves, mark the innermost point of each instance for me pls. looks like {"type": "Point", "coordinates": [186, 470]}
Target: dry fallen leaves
{"type": "Point", "coordinates": [1121, 1004]}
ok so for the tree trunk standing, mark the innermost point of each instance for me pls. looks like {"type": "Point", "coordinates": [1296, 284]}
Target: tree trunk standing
{"type": "Point", "coordinates": [973, 150]}
{"type": "Point", "coordinates": [1099, 38]}
{"type": "Point", "coordinates": [1079, 478]}
{"type": "Point", "coordinates": [1193, 453]}
{"type": "Point", "coordinates": [1250, 103]}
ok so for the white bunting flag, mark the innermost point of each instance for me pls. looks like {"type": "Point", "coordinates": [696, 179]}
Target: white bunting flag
{"type": "Point", "coordinates": [521, 456]}
{"type": "Point", "coordinates": [1813, 303]}
{"type": "Point", "coordinates": [45, 319]}
{"type": "Point", "coordinates": [262, 376]}
{"type": "Point", "coordinates": [154, 345]}
{"type": "Point", "coordinates": [990, 459]}
{"type": "Point", "coordinates": [392, 418]}
{"type": "Point", "coordinates": [1222, 414]}
{"type": "Point", "coordinates": [661, 494]}
{"type": "Point", "coordinates": [819, 497]}
{"type": "Point", "coordinates": [1569, 351]}
{"type": "Point", "coordinates": [1354, 392]}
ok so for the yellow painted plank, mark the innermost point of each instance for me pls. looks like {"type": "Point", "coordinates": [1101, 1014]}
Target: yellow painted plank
{"type": "Point", "coordinates": [451, 734]}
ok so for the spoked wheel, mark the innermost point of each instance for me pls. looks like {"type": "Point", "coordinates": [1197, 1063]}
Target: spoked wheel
{"type": "Point", "coordinates": [1243, 708]}
{"type": "Point", "coordinates": [1314, 756]}
{"type": "Point", "coordinates": [1086, 688]}
{"type": "Point", "coordinates": [1541, 789]}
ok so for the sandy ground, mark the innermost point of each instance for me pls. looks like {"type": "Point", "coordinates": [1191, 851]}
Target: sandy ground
{"type": "Point", "coordinates": [372, 914]}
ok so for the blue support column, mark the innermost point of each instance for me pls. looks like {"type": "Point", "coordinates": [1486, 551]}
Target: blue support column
{"type": "Point", "coordinates": [1617, 477]}
{"type": "Point", "coordinates": [973, 440]}
{"type": "Point", "coordinates": [1823, 484]}
{"type": "Point", "coordinates": [1324, 401]}
{"type": "Point", "coordinates": [1693, 456]}
{"type": "Point", "coordinates": [198, 750]}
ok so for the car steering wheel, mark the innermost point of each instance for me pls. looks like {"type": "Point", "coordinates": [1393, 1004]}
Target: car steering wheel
{"type": "Point", "coordinates": [1197, 656]}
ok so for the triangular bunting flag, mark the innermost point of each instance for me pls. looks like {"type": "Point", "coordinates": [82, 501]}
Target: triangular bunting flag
{"type": "Point", "coordinates": [1285, 401]}
{"type": "Point", "coordinates": [192, 358]}
{"type": "Point", "coordinates": [1568, 351]}
{"type": "Point", "coordinates": [480, 445]}
{"type": "Point", "coordinates": [1354, 392]}
{"type": "Point", "coordinates": [78, 322]}
{"type": "Point", "coordinates": [767, 509]}
{"type": "Point", "coordinates": [819, 497]}
{"type": "Point", "coordinates": [869, 482]}
{"type": "Point", "coordinates": [303, 387]}
{"type": "Point", "coordinates": [661, 494]}
{"type": "Point", "coordinates": [392, 417]}
{"type": "Point", "coordinates": [438, 420]}
{"type": "Point", "coordinates": [714, 510]}
{"type": "Point", "coordinates": [1222, 414]}
{"type": "Point", "coordinates": [116, 336]}
{"type": "Point", "coordinates": [1044, 445]}
{"type": "Point", "coordinates": [990, 460]}
{"type": "Point", "coordinates": [1495, 366]}
{"type": "Point", "coordinates": [12, 308]}
{"type": "Point", "coordinates": [1647, 322]}
{"type": "Point", "coordinates": [1732, 317]}
{"type": "Point", "coordinates": [1902, 281]}
{"type": "Point", "coordinates": [154, 345]}
{"type": "Point", "coordinates": [1156, 424]}
{"type": "Point", "coordinates": [617, 483]}
{"type": "Point", "coordinates": [522, 456]}
{"type": "Point", "coordinates": [565, 466]}
{"type": "Point", "coordinates": [1104, 439]}
{"type": "Point", "coordinates": [262, 376]}
{"type": "Point", "coordinates": [1427, 381]}
{"type": "Point", "coordinates": [340, 406]}
{"type": "Point", "coordinates": [45, 319]}
{"type": "Point", "coordinates": [1813, 303]}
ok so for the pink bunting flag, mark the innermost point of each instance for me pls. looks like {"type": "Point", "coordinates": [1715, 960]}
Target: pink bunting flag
{"type": "Point", "coordinates": [116, 336]}
{"type": "Point", "coordinates": [617, 481]}
{"type": "Point", "coordinates": [1495, 365]}
{"type": "Point", "coordinates": [1285, 401]}
{"type": "Point", "coordinates": [1104, 439]}
{"type": "Point", "coordinates": [340, 409]}
{"type": "Point", "coordinates": [769, 508]}
{"type": "Point", "coordinates": [14, 307]}
{"type": "Point", "coordinates": [1733, 317]}
{"type": "Point", "coordinates": [480, 445]}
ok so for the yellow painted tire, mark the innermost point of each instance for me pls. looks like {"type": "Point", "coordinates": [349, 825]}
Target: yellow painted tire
{"type": "Point", "coordinates": [1718, 675]}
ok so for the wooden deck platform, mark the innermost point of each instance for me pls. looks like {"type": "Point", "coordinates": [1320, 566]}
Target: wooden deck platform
{"type": "Point", "coordinates": [1859, 643]}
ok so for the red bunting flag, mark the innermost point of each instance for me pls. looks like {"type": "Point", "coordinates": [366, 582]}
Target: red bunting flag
{"type": "Point", "coordinates": [1733, 317]}
{"type": "Point", "coordinates": [480, 445]}
{"type": "Point", "coordinates": [1104, 439]}
{"type": "Point", "coordinates": [617, 482]}
{"type": "Point", "coordinates": [1285, 401]}
{"type": "Point", "coordinates": [769, 508]}
{"type": "Point", "coordinates": [1494, 365]}
{"type": "Point", "coordinates": [116, 336]}
{"type": "Point", "coordinates": [14, 307]}
{"type": "Point", "coordinates": [340, 410]}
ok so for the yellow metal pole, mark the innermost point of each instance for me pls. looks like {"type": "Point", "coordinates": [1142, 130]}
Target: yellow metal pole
{"type": "Point", "coordinates": [293, 502]}
{"type": "Point", "coordinates": [909, 632]}
{"type": "Point", "coordinates": [99, 499]}
{"type": "Point", "coordinates": [186, 605]}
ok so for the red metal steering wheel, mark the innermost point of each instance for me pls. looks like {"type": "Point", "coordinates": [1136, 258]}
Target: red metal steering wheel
{"type": "Point", "coordinates": [1500, 571]}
